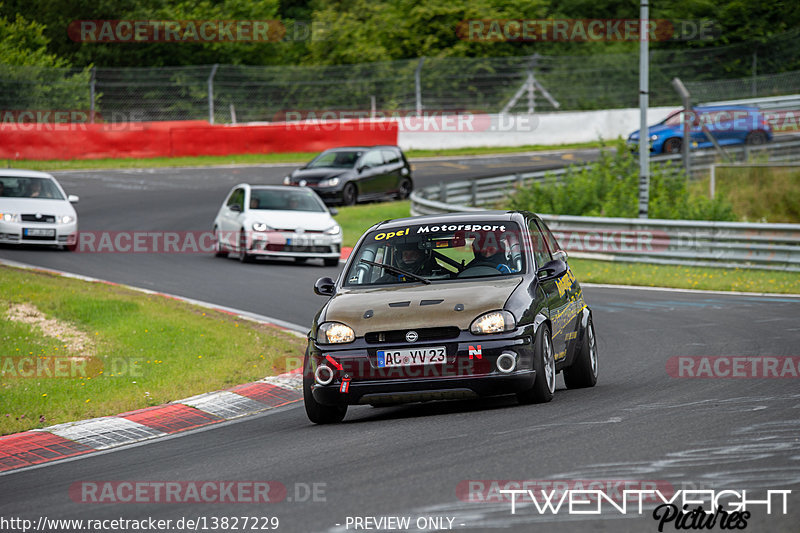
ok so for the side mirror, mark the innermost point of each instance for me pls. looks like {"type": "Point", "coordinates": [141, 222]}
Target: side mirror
{"type": "Point", "coordinates": [324, 287]}
{"type": "Point", "coordinates": [561, 255]}
{"type": "Point", "coordinates": [333, 211]}
{"type": "Point", "coordinates": [236, 207]}
{"type": "Point", "coordinates": [73, 198]}
{"type": "Point", "coordinates": [551, 270]}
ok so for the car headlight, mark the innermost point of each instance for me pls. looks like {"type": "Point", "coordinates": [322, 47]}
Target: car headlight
{"type": "Point", "coordinates": [287, 180]}
{"type": "Point", "coordinates": [335, 333]}
{"type": "Point", "coordinates": [9, 217]}
{"type": "Point", "coordinates": [260, 226]}
{"type": "Point", "coordinates": [493, 322]}
{"type": "Point", "coordinates": [66, 219]}
{"type": "Point", "coordinates": [333, 230]}
{"type": "Point", "coordinates": [330, 182]}
{"type": "Point", "coordinates": [654, 137]}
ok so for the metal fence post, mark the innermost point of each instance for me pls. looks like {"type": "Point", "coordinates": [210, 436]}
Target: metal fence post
{"type": "Point", "coordinates": [473, 189]}
{"type": "Point", "coordinates": [418, 84]}
{"type": "Point", "coordinates": [211, 93]}
{"type": "Point", "coordinates": [92, 83]}
{"type": "Point", "coordinates": [442, 192]}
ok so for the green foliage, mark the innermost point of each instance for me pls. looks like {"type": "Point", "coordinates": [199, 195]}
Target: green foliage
{"type": "Point", "coordinates": [609, 188]}
{"type": "Point", "coordinates": [360, 31]}
{"type": "Point", "coordinates": [23, 43]}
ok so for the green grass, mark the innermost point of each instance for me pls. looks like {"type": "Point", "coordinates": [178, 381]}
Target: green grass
{"type": "Point", "coordinates": [357, 219]}
{"type": "Point", "coordinates": [258, 159]}
{"type": "Point", "coordinates": [149, 350]}
{"type": "Point", "coordinates": [758, 194]}
{"type": "Point", "coordinates": [157, 162]}
{"type": "Point", "coordinates": [483, 150]}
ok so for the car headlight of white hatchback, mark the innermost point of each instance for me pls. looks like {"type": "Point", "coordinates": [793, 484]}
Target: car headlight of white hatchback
{"type": "Point", "coordinates": [9, 217]}
{"type": "Point", "coordinates": [66, 219]}
{"type": "Point", "coordinates": [260, 226]}
{"type": "Point", "coordinates": [335, 333]}
{"type": "Point", "coordinates": [333, 230]}
{"type": "Point", "coordinates": [493, 322]}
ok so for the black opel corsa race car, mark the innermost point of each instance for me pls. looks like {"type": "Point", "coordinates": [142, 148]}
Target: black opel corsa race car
{"type": "Point", "coordinates": [449, 307]}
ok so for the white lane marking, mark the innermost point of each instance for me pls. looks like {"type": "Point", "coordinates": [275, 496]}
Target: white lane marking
{"type": "Point", "coordinates": [689, 291]}
{"type": "Point", "coordinates": [103, 433]}
{"type": "Point", "coordinates": [224, 404]}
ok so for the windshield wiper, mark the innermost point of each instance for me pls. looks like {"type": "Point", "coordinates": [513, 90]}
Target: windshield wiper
{"type": "Point", "coordinates": [396, 270]}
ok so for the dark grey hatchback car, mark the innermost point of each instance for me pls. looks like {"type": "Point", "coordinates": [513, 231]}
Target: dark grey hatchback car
{"type": "Point", "coordinates": [351, 174]}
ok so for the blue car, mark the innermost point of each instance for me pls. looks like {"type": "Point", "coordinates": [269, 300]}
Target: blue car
{"type": "Point", "coordinates": [728, 125]}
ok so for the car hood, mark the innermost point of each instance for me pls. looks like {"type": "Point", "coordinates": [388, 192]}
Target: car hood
{"type": "Point", "coordinates": [306, 220]}
{"type": "Point", "coordinates": [316, 174]}
{"type": "Point", "coordinates": [428, 305]}
{"type": "Point", "coordinates": [35, 205]}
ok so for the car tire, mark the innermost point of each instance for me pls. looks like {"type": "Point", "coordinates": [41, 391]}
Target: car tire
{"type": "Point", "coordinates": [349, 194]}
{"type": "Point", "coordinates": [405, 188]}
{"type": "Point", "coordinates": [218, 251]}
{"type": "Point", "coordinates": [330, 262]}
{"type": "Point", "coordinates": [244, 257]}
{"type": "Point", "coordinates": [756, 138]}
{"type": "Point", "coordinates": [316, 412]}
{"type": "Point", "coordinates": [672, 146]}
{"type": "Point", "coordinates": [583, 371]}
{"type": "Point", "coordinates": [544, 364]}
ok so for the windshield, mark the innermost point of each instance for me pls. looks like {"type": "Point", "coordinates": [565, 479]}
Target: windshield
{"type": "Point", "coordinates": [286, 200]}
{"type": "Point", "coordinates": [437, 252]}
{"type": "Point", "coordinates": [336, 159]}
{"type": "Point", "coordinates": [20, 187]}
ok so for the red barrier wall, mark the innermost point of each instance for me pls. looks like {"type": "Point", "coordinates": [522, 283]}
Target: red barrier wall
{"type": "Point", "coordinates": [183, 138]}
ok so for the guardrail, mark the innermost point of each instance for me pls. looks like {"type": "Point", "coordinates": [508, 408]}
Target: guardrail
{"type": "Point", "coordinates": [686, 242]}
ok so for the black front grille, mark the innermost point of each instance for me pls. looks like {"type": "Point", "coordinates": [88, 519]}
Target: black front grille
{"type": "Point", "coordinates": [293, 248]}
{"type": "Point", "coordinates": [43, 218]}
{"type": "Point", "coordinates": [424, 334]}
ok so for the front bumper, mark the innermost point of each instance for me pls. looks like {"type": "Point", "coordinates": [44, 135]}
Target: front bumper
{"type": "Point", "coordinates": [460, 377]}
{"type": "Point", "coordinates": [60, 234]}
{"type": "Point", "coordinates": [317, 246]}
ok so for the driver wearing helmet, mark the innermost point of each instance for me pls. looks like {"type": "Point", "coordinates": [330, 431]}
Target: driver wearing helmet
{"type": "Point", "coordinates": [487, 247]}
{"type": "Point", "coordinates": [413, 259]}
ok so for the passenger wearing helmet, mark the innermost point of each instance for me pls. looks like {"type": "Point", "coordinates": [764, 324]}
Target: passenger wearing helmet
{"type": "Point", "coordinates": [488, 250]}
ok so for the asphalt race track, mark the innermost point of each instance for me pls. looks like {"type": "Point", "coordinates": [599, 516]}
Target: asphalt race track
{"type": "Point", "coordinates": [638, 424]}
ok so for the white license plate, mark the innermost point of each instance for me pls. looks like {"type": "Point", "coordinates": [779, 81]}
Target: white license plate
{"type": "Point", "coordinates": [298, 241]}
{"type": "Point", "coordinates": [39, 232]}
{"type": "Point", "coordinates": [412, 357]}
